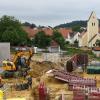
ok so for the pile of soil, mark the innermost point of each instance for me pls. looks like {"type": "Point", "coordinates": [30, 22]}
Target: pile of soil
{"type": "Point", "coordinates": [39, 68]}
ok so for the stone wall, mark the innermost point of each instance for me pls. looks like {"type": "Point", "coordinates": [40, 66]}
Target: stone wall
{"type": "Point", "coordinates": [53, 57]}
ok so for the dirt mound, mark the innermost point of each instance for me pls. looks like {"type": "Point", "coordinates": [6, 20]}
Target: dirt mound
{"type": "Point", "coordinates": [39, 68]}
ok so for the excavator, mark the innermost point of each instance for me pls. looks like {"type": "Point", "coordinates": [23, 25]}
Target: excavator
{"type": "Point", "coordinates": [18, 64]}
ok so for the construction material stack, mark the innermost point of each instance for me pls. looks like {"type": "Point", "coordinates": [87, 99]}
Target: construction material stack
{"type": "Point", "coordinates": [42, 91]}
{"type": "Point", "coordinates": [83, 88]}
{"type": "Point", "coordinates": [76, 61]}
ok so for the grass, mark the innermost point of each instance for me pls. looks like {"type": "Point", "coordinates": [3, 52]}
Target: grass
{"type": "Point", "coordinates": [72, 51]}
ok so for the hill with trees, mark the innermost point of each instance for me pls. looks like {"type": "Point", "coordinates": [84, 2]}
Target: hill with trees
{"type": "Point", "coordinates": [75, 25]}
{"type": "Point", "coordinates": [29, 24]}
{"type": "Point", "coordinates": [72, 24]}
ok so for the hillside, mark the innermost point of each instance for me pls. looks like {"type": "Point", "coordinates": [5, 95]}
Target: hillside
{"type": "Point", "coordinates": [80, 23]}
{"type": "Point", "coordinates": [72, 24]}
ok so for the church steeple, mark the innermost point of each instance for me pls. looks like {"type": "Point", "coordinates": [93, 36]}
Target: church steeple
{"type": "Point", "coordinates": [92, 27]}
{"type": "Point", "coordinates": [90, 37]}
{"type": "Point", "coordinates": [92, 16]}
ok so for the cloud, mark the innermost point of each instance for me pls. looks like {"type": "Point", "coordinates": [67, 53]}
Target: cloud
{"type": "Point", "coordinates": [49, 12]}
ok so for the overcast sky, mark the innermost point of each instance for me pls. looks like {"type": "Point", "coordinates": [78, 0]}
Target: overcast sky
{"type": "Point", "coordinates": [49, 12]}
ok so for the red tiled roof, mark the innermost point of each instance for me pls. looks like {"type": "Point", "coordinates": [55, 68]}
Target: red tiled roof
{"type": "Point", "coordinates": [65, 32]}
{"type": "Point", "coordinates": [96, 48]}
{"type": "Point", "coordinates": [48, 31]}
{"type": "Point", "coordinates": [31, 31]}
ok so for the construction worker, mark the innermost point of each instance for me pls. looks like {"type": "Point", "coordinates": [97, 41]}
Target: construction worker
{"type": "Point", "coordinates": [29, 79]}
{"type": "Point", "coordinates": [1, 95]}
{"type": "Point", "coordinates": [0, 79]}
{"type": "Point", "coordinates": [24, 74]}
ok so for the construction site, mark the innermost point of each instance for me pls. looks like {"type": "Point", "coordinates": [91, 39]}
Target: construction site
{"type": "Point", "coordinates": [27, 75]}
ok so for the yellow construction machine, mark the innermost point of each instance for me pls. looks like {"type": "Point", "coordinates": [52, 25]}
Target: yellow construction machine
{"type": "Point", "coordinates": [19, 62]}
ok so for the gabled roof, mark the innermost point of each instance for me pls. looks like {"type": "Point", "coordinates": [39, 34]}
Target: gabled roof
{"type": "Point", "coordinates": [72, 34]}
{"type": "Point", "coordinates": [92, 38]}
{"type": "Point", "coordinates": [48, 31]}
{"type": "Point", "coordinates": [31, 31]}
{"type": "Point", "coordinates": [91, 15]}
{"type": "Point", "coordinates": [83, 33]}
{"type": "Point", "coordinates": [65, 32]}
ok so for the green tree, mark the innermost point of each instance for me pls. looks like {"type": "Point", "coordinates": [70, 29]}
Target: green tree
{"type": "Point", "coordinates": [76, 28]}
{"type": "Point", "coordinates": [11, 31]}
{"type": "Point", "coordinates": [30, 42]}
{"type": "Point", "coordinates": [42, 40]}
{"type": "Point", "coordinates": [58, 38]}
{"type": "Point", "coordinates": [10, 35]}
{"type": "Point", "coordinates": [76, 43]}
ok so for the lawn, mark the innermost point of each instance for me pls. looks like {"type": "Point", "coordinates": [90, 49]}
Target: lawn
{"type": "Point", "coordinates": [72, 51]}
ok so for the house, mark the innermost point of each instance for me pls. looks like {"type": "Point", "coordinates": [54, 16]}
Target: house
{"type": "Point", "coordinates": [30, 31]}
{"type": "Point", "coordinates": [33, 31]}
{"type": "Point", "coordinates": [69, 35]}
{"type": "Point", "coordinates": [74, 36]}
{"type": "Point", "coordinates": [96, 51]}
{"type": "Point", "coordinates": [48, 31]}
{"type": "Point", "coordinates": [89, 37]}
{"type": "Point", "coordinates": [65, 32]}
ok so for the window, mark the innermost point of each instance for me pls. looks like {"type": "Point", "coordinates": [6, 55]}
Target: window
{"type": "Point", "coordinates": [4, 64]}
{"type": "Point", "coordinates": [93, 24]}
{"type": "Point", "coordinates": [9, 64]}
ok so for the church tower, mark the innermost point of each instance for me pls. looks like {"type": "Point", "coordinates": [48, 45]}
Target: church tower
{"type": "Point", "coordinates": [92, 29]}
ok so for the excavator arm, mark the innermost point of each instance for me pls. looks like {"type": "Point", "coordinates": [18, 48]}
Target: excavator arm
{"type": "Point", "coordinates": [11, 66]}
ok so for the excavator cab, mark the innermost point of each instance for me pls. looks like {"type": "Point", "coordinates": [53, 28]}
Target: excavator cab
{"type": "Point", "coordinates": [9, 66]}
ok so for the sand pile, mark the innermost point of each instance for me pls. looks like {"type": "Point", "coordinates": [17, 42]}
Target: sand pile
{"type": "Point", "coordinates": [39, 68]}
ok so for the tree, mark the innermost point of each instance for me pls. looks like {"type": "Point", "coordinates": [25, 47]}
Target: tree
{"type": "Point", "coordinates": [42, 40]}
{"type": "Point", "coordinates": [26, 24]}
{"type": "Point", "coordinates": [30, 42]}
{"type": "Point", "coordinates": [10, 35]}
{"type": "Point", "coordinates": [73, 24]}
{"type": "Point", "coordinates": [67, 42]}
{"type": "Point", "coordinates": [32, 26]}
{"type": "Point", "coordinates": [58, 38]}
{"type": "Point", "coordinates": [76, 43]}
{"type": "Point", "coordinates": [11, 31]}
{"type": "Point", "coordinates": [76, 28]}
